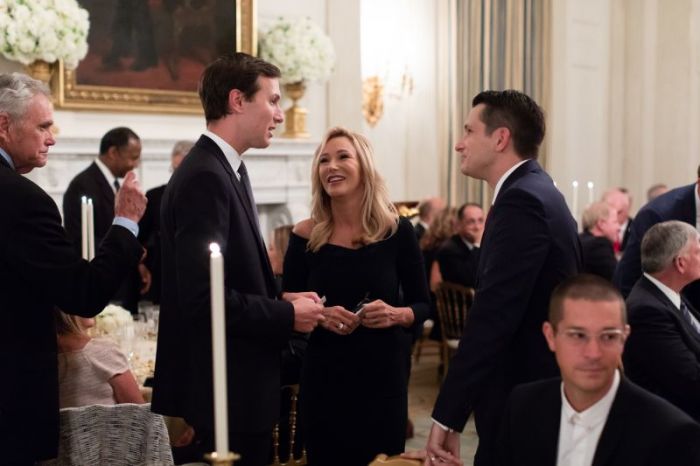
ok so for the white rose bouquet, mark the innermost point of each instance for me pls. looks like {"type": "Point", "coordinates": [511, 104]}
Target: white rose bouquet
{"type": "Point", "coordinates": [46, 30]}
{"type": "Point", "coordinates": [113, 319]}
{"type": "Point", "coordinates": [299, 48]}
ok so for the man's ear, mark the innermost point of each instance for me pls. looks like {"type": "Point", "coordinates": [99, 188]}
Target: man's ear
{"type": "Point", "coordinates": [235, 101]}
{"type": "Point", "coordinates": [548, 331]}
{"type": "Point", "coordinates": [502, 135]}
{"type": "Point", "coordinates": [4, 125]}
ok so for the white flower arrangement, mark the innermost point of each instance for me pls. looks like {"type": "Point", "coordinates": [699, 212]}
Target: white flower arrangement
{"type": "Point", "coordinates": [46, 30]}
{"type": "Point", "coordinates": [299, 48]}
{"type": "Point", "coordinates": [113, 319]}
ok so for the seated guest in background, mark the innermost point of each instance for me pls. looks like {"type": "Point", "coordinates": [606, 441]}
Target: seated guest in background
{"type": "Point", "coordinates": [277, 248]}
{"type": "Point", "coordinates": [149, 227]}
{"type": "Point", "coordinates": [677, 204]}
{"type": "Point", "coordinates": [592, 415]}
{"type": "Point", "coordinates": [656, 190]}
{"type": "Point", "coordinates": [663, 353]}
{"type": "Point", "coordinates": [427, 210]}
{"type": "Point", "coordinates": [91, 371]}
{"type": "Point", "coordinates": [120, 153]}
{"type": "Point", "coordinates": [41, 269]}
{"type": "Point", "coordinates": [443, 227]}
{"type": "Point", "coordinates": [620, 200]}
{"type": "Point", "coordinates": [355, 249]}
{"type": "Point", "coordinates": [600, 229]}
{"type": "Point", "coordinates": [459, 255]}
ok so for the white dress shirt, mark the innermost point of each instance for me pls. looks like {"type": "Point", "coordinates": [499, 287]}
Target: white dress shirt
{"type": "Point", "coordinates": [229, 152]}
{"type": "Point", "coordinates": [579, 432]}
{"type": "Point", "coordinates": [108, 175]}
{"type": "Point", "coordinates": [504, 177]}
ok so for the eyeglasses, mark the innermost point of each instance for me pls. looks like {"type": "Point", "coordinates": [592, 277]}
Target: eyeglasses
{"type": "Point", "coordinates": [606, 338]}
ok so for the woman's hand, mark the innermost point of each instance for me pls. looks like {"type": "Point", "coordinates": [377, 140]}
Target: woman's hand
{"type": "Point", "coordinates": [339, 320]}
{"type": "Point", "coordinates": [379, 314]}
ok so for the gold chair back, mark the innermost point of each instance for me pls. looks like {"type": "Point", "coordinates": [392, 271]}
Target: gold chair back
{"type": "Point", "coordinates": [453, 303]}
{"type": "Point", "coordinates": [292, 391]}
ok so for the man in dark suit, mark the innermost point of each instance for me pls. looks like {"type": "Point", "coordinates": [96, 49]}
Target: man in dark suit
{"type": "Point", "coordinates": [209, 199]}
{"type": "Point", "coordinates": [600, 230]}
{"type": "Point", "coordinates": [149, 227]}
{"type": "Point", "coordinates": [663, 353]}
{"type": "Point", "coordinates": [592, 415]}
{"type": "Point", "coordinates": [120, 152]}
{"type": "Point", "coordinates": [529, 246]}
{"type": "Point", "coordinates": [677, 204]}
{"type": "Point", "coordinates": [621, 200]}
{"type": "Point", "coordinates": [459, 256]}
{"type": "Point", "coordinates": [41, 270]}
{"type": "Point", "coordinates": [427, 210]}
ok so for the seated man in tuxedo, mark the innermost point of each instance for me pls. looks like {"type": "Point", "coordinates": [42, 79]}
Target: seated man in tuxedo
{"type": "Point", "coordinates": [427, 210]}
{"type": "Point", "coordinates": [677, 204]}
{"type": "Point", "coordinates": [120, 152]}
{"type": "Point", "coordinates": [663, 353]}
{"type": "Point", "coordinates": [620, 200]}
{"type": "Point", "coordinates": [600, 229]}
{"type": "Point", "coordinates": [149, 227]}
{"type": "Point", "coordinates": [459, 256]}
{"type": "Point", "coordinates": [592, 415]}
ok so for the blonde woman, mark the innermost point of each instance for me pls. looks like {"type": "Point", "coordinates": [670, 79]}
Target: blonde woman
{"type": "Point", "coordinates": [91, 370]}
{"type": "Point", "coordinates": [353, 250]}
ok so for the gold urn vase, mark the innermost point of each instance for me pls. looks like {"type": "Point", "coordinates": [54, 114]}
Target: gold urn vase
{"type": "Point", "coordinates": [295, 116]}
{"type": "Point", "coordinates": [40, 70]}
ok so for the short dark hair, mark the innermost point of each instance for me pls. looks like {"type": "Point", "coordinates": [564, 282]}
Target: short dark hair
{"type": "Point", "coordinates": [583, 287]}
{"type": "Point", "coordinates": [118, 137]}
{"type": "Point", "coordinates": [460, 211]}
{"type": "Point", "coordinates": [517, 112]}
{"type": "Point", "coordinates": [231, 71]}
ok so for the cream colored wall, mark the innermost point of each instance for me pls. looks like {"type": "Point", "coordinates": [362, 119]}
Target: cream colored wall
{"type": "Point", "coordinates": [625, 94]}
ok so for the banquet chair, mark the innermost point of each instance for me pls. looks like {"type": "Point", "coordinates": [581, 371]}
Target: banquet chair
{"type": "Point", "coordinates": [124, 434]}
{"type": "Point", "coordinates": [423, 341]}
{"type": "Point", "coordinates": [289, 433]}
{"type": "Point", "coordinates": [453, 303]}
{"type": "Point", "coordinates": [382, 460]}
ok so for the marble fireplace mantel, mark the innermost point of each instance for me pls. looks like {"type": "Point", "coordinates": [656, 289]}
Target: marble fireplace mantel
{"type": "Point", "coordinates": [280, 174]}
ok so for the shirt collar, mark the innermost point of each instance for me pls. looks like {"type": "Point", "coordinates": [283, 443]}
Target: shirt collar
{"type": "Point", "coordinates": [670, 294]}
{"type": "Point", "coordinates": [107, 174]}
{"type": "Point", "coordinates": [471, 246]}
{"type": "Point", "coordinates": [504, 177]}
{"type": "Point", "coordinates": [7, 157]}
{"type": "Point", "coordinates": [229, 152]}
{"type": "Point", "coordinates": [595, 414]}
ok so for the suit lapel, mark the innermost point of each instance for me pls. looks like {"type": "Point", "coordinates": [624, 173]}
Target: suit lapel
{"type": "Point", "coordinates": [689, 334]}
{"type": "Point", "coordinates": [548, 428]}
{"type": "Point", "coordinates": [106, 191]}
{"type": "Point", "coordinates": [211, 147]}
{"type": "Point", "coordinates": [614, 427]}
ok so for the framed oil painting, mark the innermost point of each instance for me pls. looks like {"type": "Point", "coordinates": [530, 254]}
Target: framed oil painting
{"type": "Point", "coordinates": [148, 55]}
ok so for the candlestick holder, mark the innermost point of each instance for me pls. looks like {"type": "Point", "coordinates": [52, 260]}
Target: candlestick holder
{"type": "Point", "coordinates": [226, 460]}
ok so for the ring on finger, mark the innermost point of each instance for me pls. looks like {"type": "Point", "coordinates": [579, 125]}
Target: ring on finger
{"type": "Point", "coordinates": [340, 325]}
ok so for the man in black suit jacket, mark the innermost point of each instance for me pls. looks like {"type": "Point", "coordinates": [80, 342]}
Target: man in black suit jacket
{"type": "Point", "coordinates": [620, 200]}
{"type": "Point", "coordinates": [529, 246]}
{"type": "Point", "coordinates": [677, 204]}
{"type": "Point", "coordinates": [663, 353]}
{"type": "Point", "coordinates": [208, 199]}
{"type": "Point", "coordinates": [120, 152]}
{"type": "Point", "coordinates": [600, 230]}
{"type": "Point", "coordinates": [149, 227]}
{"type": "Point", "coordinates": [459, 256]}
{"type": "Point", "coordinates": [41, 270]}
{"type": "Point", "coordinates": [592, 414]}
{"type": "Point", "coordinates": [427, 210]}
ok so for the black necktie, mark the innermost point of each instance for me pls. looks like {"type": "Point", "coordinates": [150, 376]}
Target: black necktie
{"type": "Point", "coordinates": [116, 184]}
{"type": "Point", "coordinates": [688, 316]}
{"type": "Point", "coordinates": [249, 192]}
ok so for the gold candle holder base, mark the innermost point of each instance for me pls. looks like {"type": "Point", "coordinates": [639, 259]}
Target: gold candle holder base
{"type": "Point", "coordinates": [295, 116]}
{"type": "Point", "coordinates": [227, 460]}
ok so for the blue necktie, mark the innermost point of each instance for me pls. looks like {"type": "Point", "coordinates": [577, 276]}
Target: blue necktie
{"type": "Point", "coordinates": [688, 316]}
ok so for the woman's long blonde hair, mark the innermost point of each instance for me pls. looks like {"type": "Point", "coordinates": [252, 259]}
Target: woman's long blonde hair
{"type": "Point", "coordinates": [378, 213]}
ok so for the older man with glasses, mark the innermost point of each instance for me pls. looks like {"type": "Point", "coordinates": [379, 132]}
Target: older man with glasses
{"type": "Point", "coordinates": [592, 415]}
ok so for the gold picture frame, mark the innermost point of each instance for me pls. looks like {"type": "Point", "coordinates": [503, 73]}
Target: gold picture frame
{"type": "Point", "coordinates": [71, 93]}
